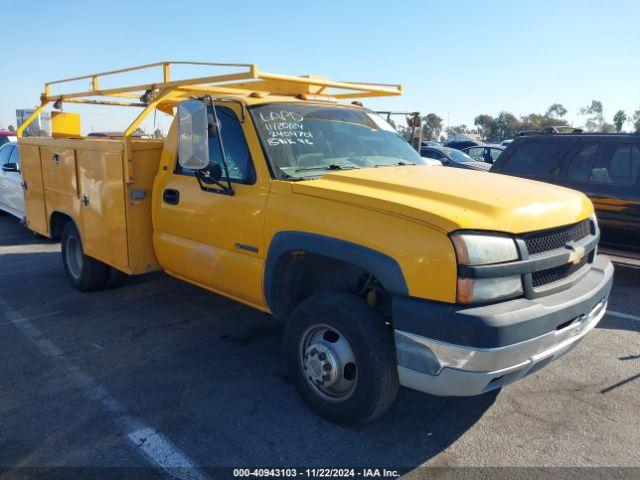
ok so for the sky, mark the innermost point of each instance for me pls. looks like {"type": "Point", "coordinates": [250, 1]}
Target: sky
{"type": "Point", "coordinates": [456, 58]}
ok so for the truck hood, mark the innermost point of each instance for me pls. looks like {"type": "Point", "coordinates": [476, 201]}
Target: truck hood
{"type": "Point", "coordinates": [450, 199]}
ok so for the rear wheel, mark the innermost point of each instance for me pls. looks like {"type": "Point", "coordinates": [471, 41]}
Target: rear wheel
{"type": "Point", "coordinates": [84, 273]}
{"type": "Point", "coordinates": [340, 357]}
{"type": "Point", "coordinates": [115, 278]}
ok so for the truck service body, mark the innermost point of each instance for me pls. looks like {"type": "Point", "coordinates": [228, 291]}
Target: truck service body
{"type": "Point", "coordinates": [386, 271]}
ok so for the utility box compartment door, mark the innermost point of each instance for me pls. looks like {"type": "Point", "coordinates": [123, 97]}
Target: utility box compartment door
{"type": "Point", "coordinates": [59, 170]}
{"type": "Point", "coordinates": [34, 203]}
{"type": "Point", "coordinates": [102, 206]}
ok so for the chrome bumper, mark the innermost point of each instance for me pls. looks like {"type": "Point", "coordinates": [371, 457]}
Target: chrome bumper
{"type": "Point", "coordinates": [444, 369]}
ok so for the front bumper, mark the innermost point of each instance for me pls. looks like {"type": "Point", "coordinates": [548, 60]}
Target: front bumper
{"type": "Point", "coordinates": [501, 342]}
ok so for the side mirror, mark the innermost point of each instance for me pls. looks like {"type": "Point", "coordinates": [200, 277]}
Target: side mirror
{"type": "Point", "coordinates": [10, 167]}
{"type": "Point", "coordinates": [211, 174]}
{"type": "Point", "coordinates": [193, 135]}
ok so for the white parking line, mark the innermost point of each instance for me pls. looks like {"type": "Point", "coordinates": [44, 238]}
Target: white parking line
{"type": "Point", "coordinates": [156, 448]}
{"type": "Point", "coordinates": [34, 317]}
{"type": "Point", "coordinates": [626, 316]}
{"type": "Point", "coordinates": [33, 248]}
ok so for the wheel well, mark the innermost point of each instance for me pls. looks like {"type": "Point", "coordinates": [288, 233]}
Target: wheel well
{"type": "Point", "coordinates": [298, 275]}
{"type": "Point", "coordinates": [57, 222]}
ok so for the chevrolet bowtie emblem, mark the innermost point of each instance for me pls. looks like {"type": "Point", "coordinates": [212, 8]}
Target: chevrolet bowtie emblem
{"type": "Point", "coordinates": [576, 255]}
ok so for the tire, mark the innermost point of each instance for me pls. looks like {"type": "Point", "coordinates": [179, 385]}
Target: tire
{"type": "Point", "coordinates": [319, 368]}
{"type": "Point", "coordinates": [115, 278]}
{"type": "Point", "coordinates": [84, 273]}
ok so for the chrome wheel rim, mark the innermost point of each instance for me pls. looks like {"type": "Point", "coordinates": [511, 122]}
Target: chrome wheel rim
{"type": "Point", "coordinates": [73, 254]}
{"type": "Point", "coordinates": [327, 363]}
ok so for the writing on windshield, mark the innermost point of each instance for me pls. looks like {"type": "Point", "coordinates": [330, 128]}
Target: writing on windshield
{"type": "Point", "coordinates": [304, 141]}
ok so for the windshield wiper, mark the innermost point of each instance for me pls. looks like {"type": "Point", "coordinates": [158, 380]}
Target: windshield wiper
{"type": "Point", "coordinates": [333, 166]}
{"type": "Point", "coordinates": [399, 164]}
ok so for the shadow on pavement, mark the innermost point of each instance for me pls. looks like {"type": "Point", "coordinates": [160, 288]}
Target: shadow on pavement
{"type": "Point", "coordinates": [14, 233]}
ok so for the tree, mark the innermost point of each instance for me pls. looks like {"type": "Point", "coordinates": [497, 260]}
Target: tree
{"type": "Point", "coordinates": [556, 110]}
{"type": "Point", "coordinates": [536, 121]}
{"type": "Point", "coordinates": [618, 120]}
{"type": "Point", "coordinates": [456, 129]}
{"type": "Point", "coordinates": [636, 121]}
{"type": "Point", "coordinates": [404, 132]}
{"type": "Point", "coordinates": [484, 123]}
{"type": "Point", "coordinates": [595, 119]}
{"type": "Point", "coordinates": [431, 127]}
{"type": "Point", "coordinates": [505, 125]}
{"type": "Point", "coordinates": [607, 127]}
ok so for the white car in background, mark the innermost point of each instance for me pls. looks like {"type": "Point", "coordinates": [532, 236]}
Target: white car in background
{"type": "Point", "coordinates": [11, 193]}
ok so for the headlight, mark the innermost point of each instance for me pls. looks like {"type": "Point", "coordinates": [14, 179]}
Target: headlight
{"type": "Point", "coordinates": [474, 249]}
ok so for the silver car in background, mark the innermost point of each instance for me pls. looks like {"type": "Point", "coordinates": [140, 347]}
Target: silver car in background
{"type": "Point", "coordinates": [11, 193]}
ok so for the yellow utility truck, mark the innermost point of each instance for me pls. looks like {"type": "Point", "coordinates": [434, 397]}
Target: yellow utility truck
{"type": "Point", "coordinates": [277, 192]}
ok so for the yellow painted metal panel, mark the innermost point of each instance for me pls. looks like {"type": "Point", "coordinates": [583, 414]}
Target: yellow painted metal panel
{"type": "Point", "coordinates": [65, 124]}
{"type": "Point", "coordinates": [102, 219]}
{"type": "Point", "coordinates": [425, 255]}
{"type": "Point", "coordinates": [59, 169]}
{"type": "Point", "coordinates": [146, 156]}
{"type": "Point", "coordinates": [201, 238]}
{"type": "Point", "coordinates": [87, 143]}
{"type": "Point", "coordinates": [449, 199]}
{"type": "Point", "coordinates": [34, 201]}
{"type": "Point", "coordinates": [204, 238]}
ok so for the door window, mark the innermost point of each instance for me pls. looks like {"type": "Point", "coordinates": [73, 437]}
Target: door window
{"type": "Point", "coordinates": [617, 164]}
{"type": "Point", "coordinates": [432, 154]}
{"type": "Point", "coordinates": [235, 149]}
{"type": "Point", "coordinates": [495, 153]}
{"type": "Point", "coordinates": [477, 153]}
{"type": "Point", "coordinates": [15, 157]}
{"type": "Point", "coordinates": [581, 163]}
{"type": "Point", "coordinates": [5, 154]}
{"type": "Point", "coordinates": [530, 158]}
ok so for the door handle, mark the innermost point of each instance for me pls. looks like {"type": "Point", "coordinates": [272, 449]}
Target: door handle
{"type": "Point", "coordinates": [171, 196]}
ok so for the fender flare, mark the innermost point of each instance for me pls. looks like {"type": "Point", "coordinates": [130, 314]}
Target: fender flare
{"type": "Point", "coordinates": [382, 266]}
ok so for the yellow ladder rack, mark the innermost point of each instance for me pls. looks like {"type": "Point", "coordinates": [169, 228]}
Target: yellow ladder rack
{"type": "Point", "coordinates": [165, 93]}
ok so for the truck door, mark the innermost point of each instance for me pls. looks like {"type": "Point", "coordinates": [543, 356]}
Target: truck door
{"type": "Point", "coordinates": [211, 239]}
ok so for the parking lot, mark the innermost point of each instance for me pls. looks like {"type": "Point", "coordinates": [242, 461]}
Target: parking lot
{"type": "Point", "coordinates": [161, 374]}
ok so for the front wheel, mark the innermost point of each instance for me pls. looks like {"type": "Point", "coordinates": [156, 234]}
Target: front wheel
{"type": "Point", "coordinates": [340, 357]}
{"type": "Point", "coordinates": [84, 273]}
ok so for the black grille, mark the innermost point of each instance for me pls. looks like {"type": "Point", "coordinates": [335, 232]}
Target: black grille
{"type": "Point", "coordinates": [543, 241]}
{"type": "Point", "coordinates": [556, 274]}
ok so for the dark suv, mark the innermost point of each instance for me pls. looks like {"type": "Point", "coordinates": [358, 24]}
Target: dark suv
{"type": "Point", "coordinates": [605, 167]}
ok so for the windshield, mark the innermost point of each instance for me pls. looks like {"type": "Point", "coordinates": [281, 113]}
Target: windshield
{"type": "Point", "coordinates": [458, 156]}
{"type": "Point", "coordinates": [304, 141]}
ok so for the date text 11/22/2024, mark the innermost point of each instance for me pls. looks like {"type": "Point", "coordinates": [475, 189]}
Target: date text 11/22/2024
{"type": "Point", "coordinates": [316, 472]}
